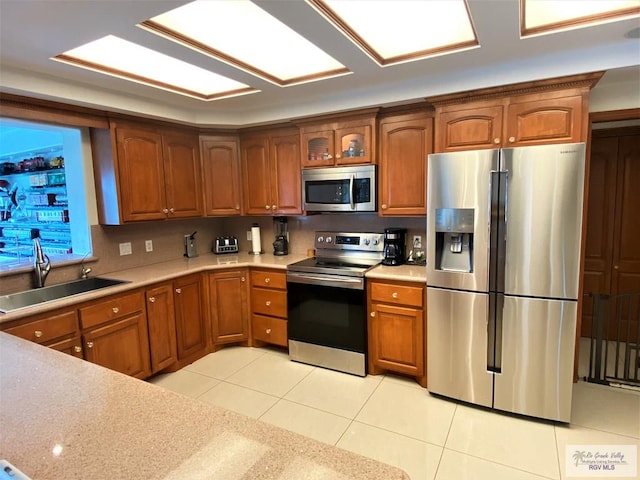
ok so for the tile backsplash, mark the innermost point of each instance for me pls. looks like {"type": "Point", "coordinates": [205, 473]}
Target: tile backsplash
{"type": "Point", "coordinates": [168, 238]}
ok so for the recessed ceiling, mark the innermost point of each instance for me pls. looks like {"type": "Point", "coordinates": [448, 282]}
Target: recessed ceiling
{"type": "Point", "coordinates": [490, 52]}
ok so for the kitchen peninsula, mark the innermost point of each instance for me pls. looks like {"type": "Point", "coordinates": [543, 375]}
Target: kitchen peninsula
{"type": "Point", "coordinates": [65, 418]}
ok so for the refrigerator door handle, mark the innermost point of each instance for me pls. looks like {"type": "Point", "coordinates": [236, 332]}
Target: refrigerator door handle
{"type": "Point", "coordinates": [494, 333]}
{"type": "Point", "coordinates": [494, 224]}
{"type": "Point", "coordinates": [500, 231]}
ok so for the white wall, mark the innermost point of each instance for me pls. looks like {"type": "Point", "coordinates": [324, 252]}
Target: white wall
{"type": "Point", "coordinates": [616, 93]}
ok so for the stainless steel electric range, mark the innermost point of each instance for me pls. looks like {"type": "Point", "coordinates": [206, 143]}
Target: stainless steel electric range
{"type": "Point", "coordinates": [326, 297]}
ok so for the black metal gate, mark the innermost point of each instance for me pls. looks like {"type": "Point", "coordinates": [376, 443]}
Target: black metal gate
{"type": "Point", "coordinates": [614, 354]}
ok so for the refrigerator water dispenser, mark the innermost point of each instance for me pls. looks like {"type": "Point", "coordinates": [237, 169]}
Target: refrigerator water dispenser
{"type": "Point", "coordinates": [454, 239]}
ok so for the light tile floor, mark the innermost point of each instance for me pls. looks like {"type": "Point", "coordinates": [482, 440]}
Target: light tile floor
{"type": "Point", "coordinates": [394, 420]}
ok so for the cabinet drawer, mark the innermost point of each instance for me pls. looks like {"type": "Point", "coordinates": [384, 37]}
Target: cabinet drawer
{"type": "Point", "coordinates": [270, 330]}
{"type": "Point", "coordinates": [111, 308]}
{"type": "Point", "coordinates": [397, 294]}
{"type": "Point", "coordinates": [49, 328]}
{"type": "Point", "coordinates": [269, 279]}
{"type": "Point", "coordinates": [269, 302]}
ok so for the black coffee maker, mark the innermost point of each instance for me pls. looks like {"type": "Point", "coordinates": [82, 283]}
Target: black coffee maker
{"type": "Point", "coordinates": [281, 243]}
{"type": "Point", "coordinates": [394, 239]}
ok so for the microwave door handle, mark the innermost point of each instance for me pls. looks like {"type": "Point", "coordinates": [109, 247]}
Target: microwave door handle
{"type": "Point", "coordinates": [352, 192]}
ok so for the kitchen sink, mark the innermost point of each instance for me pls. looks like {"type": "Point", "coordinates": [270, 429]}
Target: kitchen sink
{"type": "Point", "coordinates": [28, 298]}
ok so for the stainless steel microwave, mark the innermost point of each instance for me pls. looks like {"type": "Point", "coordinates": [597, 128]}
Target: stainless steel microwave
{"type": "Point", "coordinates": [339, 189]}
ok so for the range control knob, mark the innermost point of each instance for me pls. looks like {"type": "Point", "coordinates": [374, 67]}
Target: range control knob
{"type": "Point", "coordinates": [329, 239]}
{"type": "Point", "coordinates": [376, 241]}
{"type": "Point", "coordinates": [365, 241]}
{"type": "Point", "coordinates": [320, 239]}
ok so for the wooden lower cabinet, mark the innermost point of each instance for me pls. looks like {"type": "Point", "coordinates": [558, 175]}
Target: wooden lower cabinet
{"type": "Point", "coordinates": [70, 346]}
{"type": "Point", "coordinates": [192, 321]}
{"type": "Point", "coordinates": [114, 333]}
{"type": "Point", "coordinates": [161, 322]}
{"type": "Point", "coordinates": [120, 345]}
{"type": "Point", "coordinates": [397, 329]}
{"type": "Point", "coordinates": [228, 294]}
{"type": "Point", "coordinates": [269, 307]}
{"type": "Point", "coordinates": [57, 329]}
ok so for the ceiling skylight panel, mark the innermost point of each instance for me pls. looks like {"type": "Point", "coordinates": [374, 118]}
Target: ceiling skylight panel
{"type": "Point", "coordinates": [401, 30]}
{"type": "Point", "coordinates": [243, 35]}
{"type": "Point", "coordinates": [544, 16]}
{"type": "Point", "coordinates": [120, 58]}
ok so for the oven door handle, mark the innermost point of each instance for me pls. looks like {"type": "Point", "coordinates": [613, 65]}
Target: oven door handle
{"type": "Point", "coordinates": [327, 281]}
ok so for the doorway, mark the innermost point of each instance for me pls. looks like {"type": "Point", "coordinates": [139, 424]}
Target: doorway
{"type": "Point", "coordinates": [612, 253]}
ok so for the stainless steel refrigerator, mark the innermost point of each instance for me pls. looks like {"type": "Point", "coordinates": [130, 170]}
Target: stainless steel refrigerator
{"type": "Point", "coordinates": [503, 259]}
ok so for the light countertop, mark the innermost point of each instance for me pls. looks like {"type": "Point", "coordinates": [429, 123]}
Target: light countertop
{"type": "Point", "coordinates": [163, 271]}
{"type": "Point", "coordinates": [64, 418]}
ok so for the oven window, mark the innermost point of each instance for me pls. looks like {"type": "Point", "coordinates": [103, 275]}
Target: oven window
{"type": "Point", "coordinates": [327, 316]}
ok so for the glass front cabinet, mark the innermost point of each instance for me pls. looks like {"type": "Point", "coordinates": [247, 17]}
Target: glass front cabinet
{"type": "Point", "coordinates": [344, 142]}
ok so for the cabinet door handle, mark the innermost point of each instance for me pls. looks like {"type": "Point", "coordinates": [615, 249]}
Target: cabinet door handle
{"type": "Point", "coordinates": [273, 207]}
{"type": "Point", "coordinates": [165, 211]}
{"type": "Point", "coordinates": [77, 349]}
{"type": "Point", "coordinates": [512, 139]}
{"type": "Point", "coordinates": [372, 314]}
{"type": "Point", "coordinates": [615, 267]}
{"type": "Point", "coordinates": [267, 280]}
{"type": "Point", "coordinates": [394, 295]}
{"type": "Point", "coordinates": [37, 333]}
{"type": "Point", "coordinates": [178, 290]}
{"type": "Point", "coordinates": [268, 330]}
{"type": "Point", "coordinates": [267, 207]}
{"type": "Point", "coordinates": [496, 140]}
{"type": "Point", "coordinates": [268, 303]}
{"type": "Point", "coordinates": [242, 279]}
{"type": "Point", "coordinates": [115, 309]}
{"type": "Point", "coordinates": [171, 210]}
{"type": "Point", "coordinates": [338, 155]}
{"type": "Point", "coordinates": [89, 344]}
{"type": "Point", "coordinates": [237, 207]}
{"type": "Point", "coordinates": [383, 206]}
{"type": "Point", "coordinates": [152, 299]}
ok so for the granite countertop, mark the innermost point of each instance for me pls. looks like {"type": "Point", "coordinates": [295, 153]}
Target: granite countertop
{"type": "Point", "coordinates": [159, 272]}
{"type": "Point", "coordinates": [64, 418]}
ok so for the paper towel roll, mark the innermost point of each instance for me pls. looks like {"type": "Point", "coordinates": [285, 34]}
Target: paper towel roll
{"type": "Point", "coordinates": [256, 245]}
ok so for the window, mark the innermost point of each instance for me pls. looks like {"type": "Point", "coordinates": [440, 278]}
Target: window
{"type": "Point", "coordinates": [43, 187]}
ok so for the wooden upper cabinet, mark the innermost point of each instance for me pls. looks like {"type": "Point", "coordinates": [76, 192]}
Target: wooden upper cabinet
{"type": "Point", "coordinates": [318, 148]}
{"type": "Point", "coordinates": [182, 176]}
{"type": "Point", "coordinates": [534, 120]}
{"type": "Point", "coordinates": [405, 142]}
{"type": "Point", "coordinates": [271, 173]}
{"type": "Point", "coordinates": [468, 128]}
{"type": "Point", "coordinates": [145, 173]}
{"type": "Point", "coordinates": [532, 113]}
{"type": "Point", "coordinates": [141, 174]}
{"type": "Point", "coordinates": [346, 140]}
{"type": "Point", "coordinates": [221, 176]}
{"type": "Point", "coordinates": [256, 175]}
{"type": "Point", "coordinates": [286, 184]}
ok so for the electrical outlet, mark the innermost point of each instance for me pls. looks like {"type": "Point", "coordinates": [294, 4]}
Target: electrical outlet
{"type": "Point", "coordinates": [249, 235]}
{"type": "Point", "coordinates": [125, 248]}
{"type": "Point", "coordinates": [417, 241]}
{"type": "Point", "coordinates": [148, 245]}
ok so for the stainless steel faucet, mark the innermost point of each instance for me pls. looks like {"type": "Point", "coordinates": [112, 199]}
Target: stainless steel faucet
{"type": "Point", "coordinates": [42, 264]}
